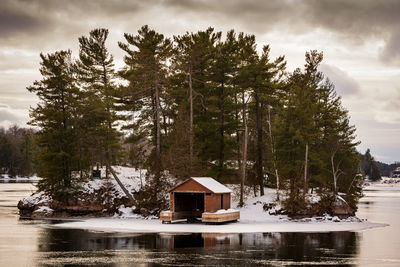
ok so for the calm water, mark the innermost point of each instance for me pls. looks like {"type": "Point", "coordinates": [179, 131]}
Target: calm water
{"type": "Point", "coordinates": [25, 243]}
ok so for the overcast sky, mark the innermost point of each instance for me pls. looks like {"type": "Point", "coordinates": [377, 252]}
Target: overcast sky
{"type": "Point", "coordinates": [360, 41]}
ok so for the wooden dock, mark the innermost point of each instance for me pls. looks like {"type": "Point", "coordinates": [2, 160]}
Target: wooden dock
{"type": "Point", "coordinates": [220, 217]}
{"type": "Point", "coordinates": [207, 217]}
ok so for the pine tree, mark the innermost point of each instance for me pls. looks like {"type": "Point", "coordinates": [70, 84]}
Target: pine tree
{"type": "Point", "coordinates": [315, 138]}
{"type": "Point", "coordinates": [370, 168]}
{"type": "Point", "coordinates": [246, 57]}
{"type": "Point", "coordinates": [296, 129]}
{"type": "Point", "coordinates": [55, 118]}
{"type": "Point", "coordinates": [220, 142]}
{"type": "Point", "coordinates": [96, 76]}
{"type": "Point", "coordinates": [191, 64]}
{"type": "Point", "coordinates": [146, 71]}
{"type": "Point", "coordinates": [16, 151]}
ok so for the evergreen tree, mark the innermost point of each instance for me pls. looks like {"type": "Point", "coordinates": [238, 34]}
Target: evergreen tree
{"type": "Point", "coordinates": [265, 93]}
{"type": "Point", "coordinates": [96, 76]}
{"type": "Point", "coordinates": [55, 117]}
{"type": "Point", "coordinates": [146, 70]}
{"type": "Point", "coordinates": [246, 57]}
{"type": "Point", "coordinates": [370, 167]}
{"type": "Point", "coordinates": [191, 63]}
{"type": "Point", "coordinates": [298, 131]}
{"type": "Point", "coordinates": [221, 107]}
{"type": "Point", "coordinates": [17, 151]}
{"type": "Point", "coordinates": [315, 138]}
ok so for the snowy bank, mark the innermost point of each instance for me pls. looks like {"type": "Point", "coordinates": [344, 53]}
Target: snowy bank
{"type": "Point", "coordinates": [94, 197]}
{"type": "Point", "coordinates": [155, 226]}
{"type": "Point", "coordinates": [253, 219]}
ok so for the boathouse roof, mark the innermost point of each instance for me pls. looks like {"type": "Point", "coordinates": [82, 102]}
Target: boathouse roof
{"type": "Point", "coordinates": [208, 183]}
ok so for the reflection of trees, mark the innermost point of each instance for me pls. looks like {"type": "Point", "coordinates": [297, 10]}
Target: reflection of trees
{"type": "Point", "coordinates": [314, 246]}
{"type": "Point", "coordinates": [245, 248]}
{"type": "Point", "coordinates": [73, 240]}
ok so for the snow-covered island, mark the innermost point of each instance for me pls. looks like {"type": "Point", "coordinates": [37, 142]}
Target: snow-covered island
{"type": "Point", "coordinates": [106, 208]}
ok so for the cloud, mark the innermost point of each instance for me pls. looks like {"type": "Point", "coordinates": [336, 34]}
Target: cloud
{"type": "Point", "coordinates": [15, 21]}
{"type": "Point", "coordinates": [360, 39]}
{"type": "Point", "coordinates": [359, 21]}
{"type": "Point", "coordinates": [388, 111]}
{"type": "Point", "coordinates": [344, 84]}
{"type": "Point", "coordinates": [391, 52]}
{"type": "Point", "coordinates": [354, 21]}
{"type": "Point", "coordinates": [7, 115]}
{"type": "Point", "coordinates": [10, 116]}
{"type": "Point", "coordinates": [13, 60]}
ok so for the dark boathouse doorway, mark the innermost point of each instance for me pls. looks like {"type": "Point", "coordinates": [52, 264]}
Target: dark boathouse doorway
{"type": "Point", "coordinates": [193, 202]}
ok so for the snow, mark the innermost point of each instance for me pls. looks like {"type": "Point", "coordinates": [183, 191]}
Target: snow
{"type": "Point", "coordinates": [6, 177]}
{"type": "Point", "coordinates": [253, 219]}
{"type": "Point", "coordinates": [253, 210]}
{"type": "Point", "coordinates": [44, 209]}
{"type": "Point", "coordinates": [222, 211]}
{"type": "Point", "coordinates": [36, 199]}
{"type": "Point", "coordinates": [212, 185]}
{"type": "Point", "coordinates": [127, 212]}
{"type": "Point", "coordinates": [155, 226]}
{"type": "Point", "coordinates": [131, 178]}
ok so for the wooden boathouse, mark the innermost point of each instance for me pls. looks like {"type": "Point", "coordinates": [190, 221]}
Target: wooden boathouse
{"type": "Point", "coordinates": [200, 197]}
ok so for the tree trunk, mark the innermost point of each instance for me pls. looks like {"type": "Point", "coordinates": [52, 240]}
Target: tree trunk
{"type": "Point", "coordinates": [221, 132]}
{"type": "Point", "coordinates": [238, 153]}
{"type": "Point", "coordinates": [237, 133]}
{"type": "Point", "coordinates": [158, 135]}
{"type": "Point", "coordinates": [334, 174]}
{"type": "Point", "coordinates": [190, 123]}
{"type": "Point", "coordinates": [305, 170]}
{"type": "Point", "coordinates": [273, 152]}
{"type": "Point", "coordinates": [244, 154]}
{"type": "Point", "coordinates": [107, 96]}
{"type": "Point", "coordinates": [127, 193]}
{"type": "Point", "coordinates": [259, 160]}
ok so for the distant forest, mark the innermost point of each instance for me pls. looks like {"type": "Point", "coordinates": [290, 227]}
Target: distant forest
{"type": "Point", "coordinates": [386, 169]}
{"type": "Point", "coordinates": [197, 104]}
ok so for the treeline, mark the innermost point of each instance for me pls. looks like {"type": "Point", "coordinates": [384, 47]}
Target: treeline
{"type": "Point", "coordinates": [386, 169]}
{"type": "Point", "coordinates": [370, 167]}
{"type": "Point", "coordinates": [197, 104]}
{"type": "Point", "coordinates": [17, 151]}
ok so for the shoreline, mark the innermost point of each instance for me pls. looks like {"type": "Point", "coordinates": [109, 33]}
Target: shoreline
{"type": "Point", "coordinates": [118, 225]}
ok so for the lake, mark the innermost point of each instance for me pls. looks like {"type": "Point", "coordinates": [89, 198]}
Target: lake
{"type": "Point", "coordinates": [28, 243]}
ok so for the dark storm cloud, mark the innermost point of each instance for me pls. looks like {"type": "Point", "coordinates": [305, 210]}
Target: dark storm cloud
{"type": "Point", "coordinates": [391, 53]}
{"type": "Point", "coordinates": [14, 21]}
{"type": "Point", "coordinates": [253, 15]}
{"type": "Point", "coordinates": [360, 20]}
{"type": "Point", "coordinates": [355, 21]}
{"type": "Point", "coordinates": [43, 23]}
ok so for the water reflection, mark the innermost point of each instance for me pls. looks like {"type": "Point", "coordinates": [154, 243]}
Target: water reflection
{"type": "Point", "coordinates": [13, 181]}
{"type": "Point", "coordinates": [24, 243]}
{"type": "Point", "coordinates": [206, 248]}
